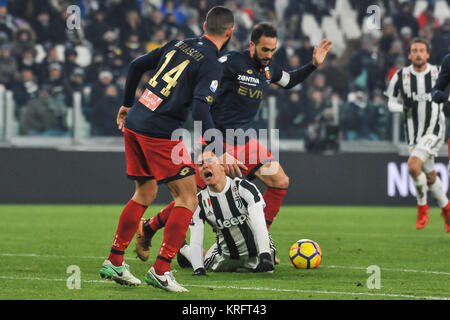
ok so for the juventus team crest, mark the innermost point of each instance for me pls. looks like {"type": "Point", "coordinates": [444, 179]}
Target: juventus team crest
{"type": "Point", "coordinates": [237, 199]}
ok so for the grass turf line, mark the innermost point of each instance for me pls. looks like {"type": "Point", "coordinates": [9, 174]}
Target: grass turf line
{"type": "Point", "coordinates": [39, 242]}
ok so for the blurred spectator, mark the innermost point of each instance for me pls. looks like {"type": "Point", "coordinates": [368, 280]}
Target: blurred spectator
{"type": "Point", "coordinates": [318, 83]}
{"type": "Point", "coordinates": [97, 28]}
{"type": "Point", "coordinates": [366, 67]}
{"type": "Point", "coordinates": [104, 113]}
{"type": "Point", "coordinates": [44, 115]}
{"type": "Point", "coordinates": [354, 118]}
{"type": "Point", "coordinates": [7, 24]}
{"type": "Point", "coordinates": [405, 18]}
{"type": "Point", "coordinates": [60, 88]}
{"type": "Point", "coordinates": [292, 114]}
{"type": "Point", "coordinates": [28, 61]}
{"type": "Point", "coordinates": [440, 44]}
{"type": "Point", "coordinates": [169, 8]}
{"type": "Point", "coordinates": [335, 75]}
{"type": "Point", "coordinates": [316, 104]}
{"type": "Point", "coordinates": [46, 33]}
{"type": "Point", "coordinates": [132, 25]}
{"type": "Point", "coordinates": [396, 53]}
{"type": "Point", "coordinates": [306, 50]}
{"type": "Point", "coordinates": [51, 58]}
{"type": "Point", "coordinates": [380, 118]}
{"type": "Point", "coordinates": [192, 28]}
{"type": "Point", "coordinates": [117, 66]}
{"type": "Point", "coordinates": [8, 67]}
{"type": "Point", "coordinates": [287, 49]}
{"type": "Point", "coordinates": [25, 89]}
{"type": "Point", "coordinates": [131, 49]}
{"type": "Point", "coordinates": [105, 78]}
{"type": "Point", "coordinates": [70, 61]}
{"type": "Point", "coordinates": [158, 40]}
{"type": "Point", "coordinates": [427, 17]}
{"type": "Point", "coordinates": [24, 40]}
{"type": "Point", "coordinates": [406, 38]}
{"type": "Point", "coordinates": [399, 63]}
{"type": "Point", "coordinates": [323, 135]}
{"type": "Point", "coordinates": [93, 70]}
{"type": "Point", "coordinates": [389, 35]}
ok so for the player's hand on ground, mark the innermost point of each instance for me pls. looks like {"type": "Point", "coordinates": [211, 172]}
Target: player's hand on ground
{"type": "Point", "coordinates": [265, 263]}
{"type": "Point", "coordinates": [321, 51]}
{"type": "Point", "coordinates": [121, 116]}
{"type": "Point", "coordinates": [232, 166]}
{"type": "Point", "coordinates": [200, 272]}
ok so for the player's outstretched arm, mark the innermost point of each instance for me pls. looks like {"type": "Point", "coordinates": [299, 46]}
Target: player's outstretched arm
{"type": "Point", "coordinates": [321, 51]}
{"type": "Point", "coordinates": [292, 78]}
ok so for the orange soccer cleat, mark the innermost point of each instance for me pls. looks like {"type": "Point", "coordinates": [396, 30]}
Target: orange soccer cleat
{"type": "Point", "coordinates": [446, 215]}
{"type": "Point", "coordinates": [422, 216]}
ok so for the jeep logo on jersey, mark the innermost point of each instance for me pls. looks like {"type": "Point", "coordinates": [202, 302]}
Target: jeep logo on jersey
{"type": "Point", "coordinates": [231, 222]}
{"type": "Point", "coordinates": [423, 97]}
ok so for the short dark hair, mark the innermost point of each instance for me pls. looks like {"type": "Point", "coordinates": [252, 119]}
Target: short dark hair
{"type": "Point", "coordinates": [263, 29]}
{"type": "Point", "coordinates": [420, 40]}
{"type": "Point", "coordinates": [218, 20]}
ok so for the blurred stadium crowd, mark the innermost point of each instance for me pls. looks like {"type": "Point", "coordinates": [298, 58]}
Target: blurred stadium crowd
{"type": "Point", "coordinates": [43, 62]}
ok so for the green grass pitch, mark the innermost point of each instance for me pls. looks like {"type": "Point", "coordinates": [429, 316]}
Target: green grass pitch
{"type": "Point", "coordinates": [40, 242]}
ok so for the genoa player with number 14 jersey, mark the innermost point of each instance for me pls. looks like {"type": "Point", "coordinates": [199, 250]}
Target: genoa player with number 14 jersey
{"type": "Point", "coordinates": [246, 78]}
{"type": "Point", "coordinates": [187, 73]}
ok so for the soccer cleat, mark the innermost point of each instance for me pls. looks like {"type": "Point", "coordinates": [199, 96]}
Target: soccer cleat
{"type": "Point", "coordinates": [265, 263]}
{"type": "Point", "coordinates": [446, 215]}
{"type": "Point", "coordinates": [422, 216]}
{"type": "Point", "coordinates": [182, 260]}
{"type": "Point", "coordinates": [120, 274]}
{"type": "Point", "coordinates": [144, 236]}
{"type": "Point", "coordinates": [166, 282]}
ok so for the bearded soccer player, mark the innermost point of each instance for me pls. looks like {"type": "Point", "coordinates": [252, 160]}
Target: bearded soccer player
{"type": "Point", "coordinates": [187, 75]}
{"type": "Point", "coordinates": [410, 92]}
{"type": "Point", "coordinates": [246, 78]}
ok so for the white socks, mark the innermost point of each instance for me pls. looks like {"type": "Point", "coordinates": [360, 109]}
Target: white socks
{"type": "Point", "coordinates": [435, 189]}
{"type": "Point", "coordinates": [421, 189]}
{"type": "Point", "coordinates": [437, 192]}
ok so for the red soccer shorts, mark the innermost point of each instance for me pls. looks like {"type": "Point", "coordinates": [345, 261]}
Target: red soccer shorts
{"type": "Point", "coordinates": [154, 158]}
{"type": "Point", "coordinates": [252, 154]}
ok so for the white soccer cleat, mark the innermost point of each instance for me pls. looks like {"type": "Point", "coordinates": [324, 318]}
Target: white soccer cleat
{"type": "Point", "coordinates": [166, 282]}
{"type": "Point", "coordinates": [120, 274]}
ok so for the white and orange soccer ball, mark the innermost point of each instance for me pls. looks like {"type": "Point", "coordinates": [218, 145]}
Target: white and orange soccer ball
{"type": "Point", "coordinates": [305, 254]}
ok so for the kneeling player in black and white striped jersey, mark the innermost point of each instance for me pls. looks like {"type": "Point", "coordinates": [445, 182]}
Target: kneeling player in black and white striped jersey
{"type": "Point", "coordinates": [235, 210]}
{"type": "Point", "coordinates": [410, 91]}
